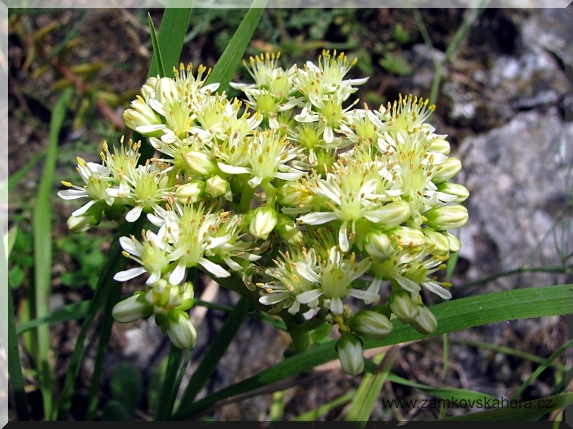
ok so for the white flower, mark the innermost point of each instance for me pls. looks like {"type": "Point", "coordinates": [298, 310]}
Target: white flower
{"type": "Point", "coordinates": [97, 182]}
{"type": "Point", "coordinates": [267, 156]}
{"type": "Point", "coordinates": [152, 255]}
{"type": "Point", "coordinates": [333, 280]}
{"type": "Point", "coordinates": [145, 188]}
{"type": "Point", "coordinates": [353, 192]}
{"type": "Point", "coordinates": [288, 282]}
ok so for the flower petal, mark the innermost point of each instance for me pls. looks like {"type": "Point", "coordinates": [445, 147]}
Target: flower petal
{"type": "Point", "coordinates": [123, 276]}
{"type": "Point", "coordinates": [309, 296]}
{"type": "Point", "coordinates": [317, 218]}
{"type": "Point", "coordinates": [213, 268]}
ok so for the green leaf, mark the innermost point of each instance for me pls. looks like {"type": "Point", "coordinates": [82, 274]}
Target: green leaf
{"type": "Point", "coordinates": [126, 385]}
{"type": "Point", "coordinates": [168, 393]}
{"type": "Point", "coordinates": [525, 411]}
{"type": "Point", "coordinates": [444, 393]}
{"type": "Point", "coordinates": [42, 225]}
{"type": "Point", "coordinates": [115, 411]}
{"type": "Point", "coordinates": [314, 415]}
{"type": "Point", "coordinates": [215, 352]}
{"type": "Point", "coordinates": [452, 316]}
{"type": "Point", "coordinates": [10, 239]}
{"type": "Point", "coordinates": [231, 58]}
{"type": "Point", "coordinates": [156, 51]}
{"type": "Point", "coordinates": [73, 311]}
{"type": "Point", "coordinates": [154, 387]}
{"type": "Point", "coordinates": [106, 283]}
{"type": "Point", "coordinates": [16, 277]}
{"type": "Point", "coordinates": [16, 177]}
{"type": "Point", "coordinates": [14, 361]}
{"type": "Point", "coordinates": [396, 63]}
{"type": "Point", "coordinates": [169, 41]}
{"type": "Point", "coordinates": [369, 389]}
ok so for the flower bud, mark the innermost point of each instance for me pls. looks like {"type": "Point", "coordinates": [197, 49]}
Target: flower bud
{"type": "Point", "coordinates": [392, 214]}
{"type": "Point", "coordinates": [349, 349]}
{"type": "Point", "coordinates": [448, 169]}
{"type": "Point", "coordinates": [438, 243]}
{"type": "Point", "coordinates": [425, 322]}
{"type": "Point", "coordinates": [263, 222]}
{"type": "Point", "coordinates": [370, 324]}
{"type": "Point", "coordinates": [455, 244]}
{"type": "Point", "coordinates": [403, 307]}
{"type": "Point", "coordinates": [440, 146]}
{"type": "Point", "coordinates": [131, 309]}
{"type": "Point", "coordinates": [79, 224]}
{"type": "Point", "coordinates": [190, 192]}
{"type": "Point", "coordinates": [294, 194]}
{"type": "Point", "coordinates": [289, 231]}
{"type": "Point", "coordinates": [459, 191]}
{"type": "Point", "coordinates": [447, 217]}
{"type": "Point", "coordinates": [180, 330]}
{"type": "Point", "coordinates": [409, 237]}
{"type": "Point", "coordinates": [216, 186]}
{"type": "Point", "coordinates": [378, 245]}
{"type": "Point", "coordinates": [148, 89]}
{"type": "Point", "coordinates": [200, 163]}
{"type": "Point", "coordinates": [187, 295]}
{"type": "Point", "coordinates": [165, 91]}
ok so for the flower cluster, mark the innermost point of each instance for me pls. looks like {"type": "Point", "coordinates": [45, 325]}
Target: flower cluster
{"type": "Point", "coordinates": [306, 200]}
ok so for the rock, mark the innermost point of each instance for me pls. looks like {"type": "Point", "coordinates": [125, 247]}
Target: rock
{"type": "Point", "coordinates": [519, 177]}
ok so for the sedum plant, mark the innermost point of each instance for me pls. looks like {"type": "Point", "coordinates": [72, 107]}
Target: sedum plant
{"type": "Point", "coordinates": [294, 197]}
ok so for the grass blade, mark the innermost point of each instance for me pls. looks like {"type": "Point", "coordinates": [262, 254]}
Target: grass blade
{"type": "Point", "coordinates": [169, 41]}
{"type": "Point", "coordinates": [444, 393]}
{"type": "Point", "coordinates": [73, 311]}
{"type": "Point", "coordinates": [42, 221]}
{"type": "Point", "coordinates": [15, 179]}
{"type": "Point", "coordinates": [103, 344]}
{"type": "Point", "coordinates": [541, 368]}
{"type": "Point", "coordinates": [369, 389]}
{"type": "Point", "coordinates": [168, 391]}
{"type": "Point", "coordinates": [104, 287]}
{"type": "Point", "coordinates": [231, 58]}
{"type": "Point", "coordinates": [215, 352]}
{"type": "Point", "coordinates": [529, 410]}
{"type": "Point", "coordinates": [156, 51]}
{"type": "Point", "coordinates": [14, 362]}
{"type": "Point", "coordinates": [314, 415]}
{"type": "Point", "coordinates": [452, 316]}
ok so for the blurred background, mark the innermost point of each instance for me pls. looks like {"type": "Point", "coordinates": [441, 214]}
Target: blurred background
{"type": "Point", "coordinates": [503, 91]}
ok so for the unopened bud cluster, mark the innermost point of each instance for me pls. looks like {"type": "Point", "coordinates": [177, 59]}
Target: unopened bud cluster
{"type": "Point", "coordinates": [296, 192]}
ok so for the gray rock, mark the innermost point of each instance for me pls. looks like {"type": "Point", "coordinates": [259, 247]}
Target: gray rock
{"type": "Point", "coordinates": [517, 177]}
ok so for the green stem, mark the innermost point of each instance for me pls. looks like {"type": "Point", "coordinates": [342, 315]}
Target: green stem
{"type": "Point", "coordinates": [277, 406]}
{"type": "Point", "coordinates": [246, 196]}
{"type": "Point", "coordinates": [270, 192]}
{"type": "Point", "coordinates": [103, 346]}
{"type": "Point", "coordinates": [168, 392]}
{"type": "Point", "coordinates": [508, 351]}
{"type": "Point", "coordinates": [541, 368]}
{"type": "Point", "coordinates": [215, 352]}
{"type": "Point", "coordinates": [300, 336]}
{"type": "Point", "coordinates": [14, 362]}
{"type": "Point", "coordinates": [446, 348]}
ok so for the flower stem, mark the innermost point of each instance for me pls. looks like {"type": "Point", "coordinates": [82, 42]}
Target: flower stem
{"type": "Point", "coordinates": [270, 192]}
{"type": "Point", "coordinates": [167, 398]}
{"type": "Point", "coordinates": [300, 336]}
{"type": "Point", "coordinates": [246, 197]}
